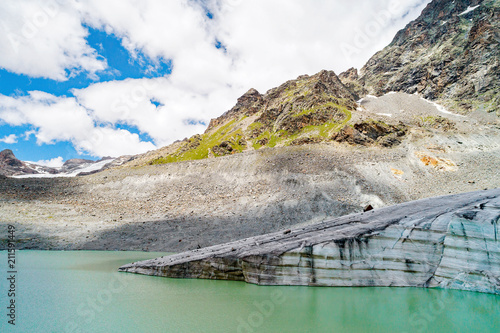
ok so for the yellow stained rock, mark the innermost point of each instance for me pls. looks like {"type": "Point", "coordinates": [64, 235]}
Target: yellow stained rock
{"type": "Point", "coordinates": [439, 163]}
{"type": "Point", "coordinates": [397, 172]}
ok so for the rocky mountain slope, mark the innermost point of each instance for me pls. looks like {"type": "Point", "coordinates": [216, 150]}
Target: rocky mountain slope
{"type": "Point", "coordinates": [186, 205]}
{"type": "Point", "coordinates": [451, 53]}
{"type": "Point", "coordinates": [447, 242]}
{"type": "Point", "coordinates": [309, 109]}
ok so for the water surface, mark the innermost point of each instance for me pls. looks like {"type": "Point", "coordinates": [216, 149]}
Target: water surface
{"type": "Point", "coordinates": [83, 292]}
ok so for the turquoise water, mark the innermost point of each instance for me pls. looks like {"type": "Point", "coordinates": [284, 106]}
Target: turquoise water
{"type": "Point", "coordinates": [83, 292]}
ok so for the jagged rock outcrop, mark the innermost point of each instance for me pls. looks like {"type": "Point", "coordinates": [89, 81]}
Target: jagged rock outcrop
{"type": "Point", "coordinates": [445, 242]}
{"type": "Point", "coordinates": [7, 158]}
{"type": "Point", "coordinates": [450, 53]}
{"type": "Point", "coordinates": [350, 78]}
{"type": "Point", "coordinates": [371, 133]}
{"type": "Point", "coordinates": [11, 166]}
{"type": "Point", "coordinates": [248, 104]}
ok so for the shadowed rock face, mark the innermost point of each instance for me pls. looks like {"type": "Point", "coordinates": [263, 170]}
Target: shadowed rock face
{"type": "Point", "coordinates": [445, 242]}
{"type": "Point", "coordinates": [10, 165]}
{"type": "Point", "coordinates": [449, 53]}
{"type": "Point", "coordinates": [371, 133]}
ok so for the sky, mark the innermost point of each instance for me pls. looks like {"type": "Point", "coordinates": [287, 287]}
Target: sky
{"type": "Point", "coordinates": [96, 78]}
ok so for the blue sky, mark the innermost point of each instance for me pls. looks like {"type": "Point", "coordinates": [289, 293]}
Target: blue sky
{"type": "Point", "coordinates": [121, 65]}
{"type": "Point", "coordinates": [91, 79]}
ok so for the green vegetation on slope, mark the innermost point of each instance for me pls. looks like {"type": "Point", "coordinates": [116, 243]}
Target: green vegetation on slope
{"type": "Point", "coordinates": [307, 110]}
{"type": "Point", "coordinates": [201, 146]}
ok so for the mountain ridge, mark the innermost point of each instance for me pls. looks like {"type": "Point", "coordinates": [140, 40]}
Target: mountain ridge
{"type": "Point", "coordinates": [446, 55]}
{"type": "Point", "coordinates": [427, 57]}
{"type": "Point", "coordinates": [450, 53]}
{"type": "Point", "coordinates": [11, 166]}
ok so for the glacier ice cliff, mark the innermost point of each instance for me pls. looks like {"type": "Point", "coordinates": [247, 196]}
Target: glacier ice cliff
{"type": "Point", "coordinates": [445, 242]}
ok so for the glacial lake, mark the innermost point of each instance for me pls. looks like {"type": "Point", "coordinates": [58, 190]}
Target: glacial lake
{"type": "Point", "coordinates": [83, 292]}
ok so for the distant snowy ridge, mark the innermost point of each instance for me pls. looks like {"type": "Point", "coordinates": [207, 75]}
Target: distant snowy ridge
{"type": "Point", "coordinates": [11, 166]}
{"type": "Point", "coordinates": [86, 168]}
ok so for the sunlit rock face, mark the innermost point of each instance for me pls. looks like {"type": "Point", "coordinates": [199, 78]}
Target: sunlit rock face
{"type": "Point", "coordinates": [446, 242]}
{"type": "Point", "coordinates": [449, 53]}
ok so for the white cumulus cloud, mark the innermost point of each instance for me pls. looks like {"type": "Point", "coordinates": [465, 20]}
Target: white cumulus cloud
{"type": "Point", "coordinates": [45, 39]}
{"type": "Point", "coordinates": [63, 119]}
{"type": "Point", "coordinates": [181, 112]}
{"type": "Point", "coordinates": [52, 163]}
{"type": "Point", "coordinates": [9, 139]}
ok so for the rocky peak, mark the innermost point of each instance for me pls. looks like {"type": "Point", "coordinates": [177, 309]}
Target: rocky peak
{"type": "Point", "coordinates": [303, 93]}
{"type": "Point", "coordinates": [307, 101]}
{"type": "Point", "coordinates": [429, 27]}
{"type": "Point", "coordinates": [247, 104]}
{"type": "Point", "coordinates": [309, 109]}
{"type": "Point", "coordinates": [350, 74]}
{"type": "Point", "coordinates": [76, 161]}
{"type": "Point", "coordinates": [7, 158]}
{"type": "Point", "coordinates": [249, 97]}
{"type": "Point", "coordinates": [74, 164]}
{"type": "Point", "coordinates": [350, 78]}
{"type": "Point", "coordinates": [324, 82]}
{"type": "Point", "coordinates": [10, 165]}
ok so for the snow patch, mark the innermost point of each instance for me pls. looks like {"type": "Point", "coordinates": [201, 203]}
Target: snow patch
{"type": "Point", "coordinates": [35, 167]}
{"type": "Point", "coordinates": [89, 167]}
{"type": "Point", "coordinates": [93, 167]}
{"type": "Point", "coordinates": [43, 175]}
{"type": "Point", "coordinates": [385, 114]}
{"type": "Point", "coordinates": [468, 10]}
{"type": "Point", "coordinates": [389, 93]}
{"type": "Point", "coordinates": [441, 108]}
{"type": "Point", "coordinates": [366, 98]}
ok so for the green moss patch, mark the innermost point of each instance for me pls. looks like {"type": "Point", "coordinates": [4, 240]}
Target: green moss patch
{"type": "Point", "coordinates": [206, 143]}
